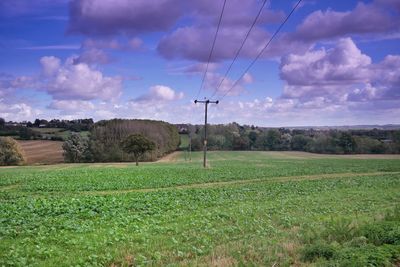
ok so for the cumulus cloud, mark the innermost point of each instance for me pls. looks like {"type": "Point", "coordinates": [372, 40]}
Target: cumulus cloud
{"type": "Point", "coordinates": [50, 65]}
{"type": "Point", "coordinates": [17, 111]}
{"type": "Point", "coordinates": [373, 18]}
{"type": "Point", "coordinates": [160, 93]}
{"type": "Point", "coordinates": [189, 43]}
{"type": "Point", "coordinates": [343, 64]}
{"type": "Point", "coordinates": [78, 81]}
{"type": "Point", "coordinates": [10, 84]}
{"type": "Point", "coordinates": [340, 75]}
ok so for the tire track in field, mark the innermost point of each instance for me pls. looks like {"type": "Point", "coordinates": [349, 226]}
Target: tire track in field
{"type": "Point", "coordinates": [238, 182]}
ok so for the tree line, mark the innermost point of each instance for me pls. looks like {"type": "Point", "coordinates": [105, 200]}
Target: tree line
{"type": "Point", "coordinates": [114, 141]}
{"type": "Point", "coordinates": [237, 137]}
{"type": "Point", "coordinates": [27, 130]}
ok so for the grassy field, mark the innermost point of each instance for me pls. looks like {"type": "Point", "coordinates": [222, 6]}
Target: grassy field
{"type": "Point", "coordinates": [42, 151]}
{"type": "Point", "coordinates": [247, 208]}
{"type": "Point", "coordinates": [184, 141]}
{"type": "Point", "coordinates": [56, 132]}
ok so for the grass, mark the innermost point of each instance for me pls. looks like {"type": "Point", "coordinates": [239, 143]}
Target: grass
{"type": "Point", "coordinates": [248, 208]}
{"type": "Point", "coordinates": [57, 132]}
{"type": "Point", "coordinates": [184, 144]}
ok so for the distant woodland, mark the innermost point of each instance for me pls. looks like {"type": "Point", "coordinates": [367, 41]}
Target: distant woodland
{"type": "Point", "coordinates": [238, 137]}
{"type": "Point", "coordinates": [87, 141]}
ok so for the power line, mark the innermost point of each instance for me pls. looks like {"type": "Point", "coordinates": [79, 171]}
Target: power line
{"type": "Point", "coordinates": [240, 48]}
{"type": "Point", "coordinates": [212, 49]}
{"type": "Point", "coordinates": [262, 50]}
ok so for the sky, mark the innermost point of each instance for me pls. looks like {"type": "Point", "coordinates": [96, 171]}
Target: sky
{"type": "Point", "coordinates": [332, 63]}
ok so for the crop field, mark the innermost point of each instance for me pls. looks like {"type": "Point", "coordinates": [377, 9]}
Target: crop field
{"type": "Point", "coordinates": [246, 209]}
{"type": "Point", "coordinates": [42, 151]}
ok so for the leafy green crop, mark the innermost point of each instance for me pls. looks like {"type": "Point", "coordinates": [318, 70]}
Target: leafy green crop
{"type": "Point", "coordinates": [253, 210]}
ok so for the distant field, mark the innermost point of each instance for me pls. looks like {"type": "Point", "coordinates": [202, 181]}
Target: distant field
{"type": "Point", "coordinates": [42, 152]}
{"type": "Point", "coordinates": [246, 209]}
{"type": "Point", "coordinates": [56, 132]}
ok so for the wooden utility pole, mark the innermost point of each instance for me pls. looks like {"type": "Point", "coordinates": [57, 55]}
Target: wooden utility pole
{"type": "Point", "coordinates": [206, 102]}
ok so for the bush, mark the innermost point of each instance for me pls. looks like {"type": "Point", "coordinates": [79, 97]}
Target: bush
{"type": "Point", "coordinates": [386, 232]}
{"type": "Point", "coordinates": [318, 250]}
{"type": "Point", "coordinates": [76, 149]}
{"type": "Point", "coordinates": [10, 152]}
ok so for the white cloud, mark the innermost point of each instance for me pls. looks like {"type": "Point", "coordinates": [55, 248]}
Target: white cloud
{"type": "Point", "coordinates": [160, 93]}
{"type": "Point", "coordinates": [50, 65]}
{"type": "Point", "coordinates": [17, 111]}
{"type": "Point", "coordinates": [78, 81]}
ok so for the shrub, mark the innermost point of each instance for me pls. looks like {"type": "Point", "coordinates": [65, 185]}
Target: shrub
{"type": "Point", "coordinates": [76, 149]}
{"type": "Point", "coordinates": [385, 232]}
{"type": "Point", "coordinates": [318, 250]}
{"type": "Point", "coordinates": [10, 152]}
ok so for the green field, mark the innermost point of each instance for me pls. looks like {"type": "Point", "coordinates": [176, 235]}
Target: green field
{"type": "Point", "coordinates": [247, 208]}
{"type": "Point", "coordinates": [57, 132]}
{"type": "Point", "coordinates": [184, 141]}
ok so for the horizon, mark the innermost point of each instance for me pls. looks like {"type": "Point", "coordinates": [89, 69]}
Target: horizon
{"type": "Point", "coordinates": [259, 126]}
{"type": "Point", "coordinates": [146, 59]}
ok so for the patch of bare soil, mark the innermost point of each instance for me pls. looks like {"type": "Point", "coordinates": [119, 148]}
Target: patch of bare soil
{"type": "Point", "coordinates": [42, 151]}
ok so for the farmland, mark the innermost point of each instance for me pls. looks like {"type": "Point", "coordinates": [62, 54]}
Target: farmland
{"type": "Point", "coordinates": [247, 208]}
{"type": "Point", "coordinates": [42, 151]}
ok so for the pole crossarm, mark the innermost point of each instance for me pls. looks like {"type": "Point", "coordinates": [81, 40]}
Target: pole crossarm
{"type": "Point", "coordinates": [205, 102]}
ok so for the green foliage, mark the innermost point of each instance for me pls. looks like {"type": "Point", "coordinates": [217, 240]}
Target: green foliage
{"type": "Point", "coordinates": [106, 138]}
{"type": "Point", "coordinates": [10, 152]}
{"type": "Point", "coordinates": [301, 142]}
{"type": "Point", "coordinates": [26, 133]}
{"type": "Point", "coordinates": [366, 144]}
{"type": "Point", "coordinates": [168, 214]}
{"type": "Point", "coordinates": [318, 250]}
{"type": "Point", "coordinates": [343, 243]}
{"type": "Point", "coordinates": [236, 137]}
{"type": "Point", "coordinates": [76, 149]}
{"type": "Point", "coordinates": [347, 142]}
{"type": "Point", "coordinates": [137, 145]}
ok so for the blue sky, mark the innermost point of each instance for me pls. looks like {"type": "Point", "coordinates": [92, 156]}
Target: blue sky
{"type": "Point", "coordinates": [333, 63]}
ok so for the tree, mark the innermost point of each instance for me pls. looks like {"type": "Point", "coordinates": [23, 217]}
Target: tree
{"type": "Point", "coordinates": [36, 123]}
{"type": "Point", "coordinates": [137, 145]}
{"type": "Point", "coordinates": [106, 138]}
{"type": "Point", "coordinates": [301, 142]}
{"type": "Point", "coordinates": [10, 152]}
{"type": "Point", "coordinates": [76, 149]}
{"type": "Point", "coordinates": [347, 143]}
{"type": "Point", "coordinates": [253, 135]}
{"type": "Point", "coordinates": [273, 139]}
{"type": "Point", "coordinates": [2, 122]}
{"type": "Point", "coordinates": [26, 133]}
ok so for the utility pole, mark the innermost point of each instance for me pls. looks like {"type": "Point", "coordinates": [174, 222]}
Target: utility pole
{"type": "Point", "coordinates": [206, 102]}
{"type": "Point", "coordinates": [190, 147]}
